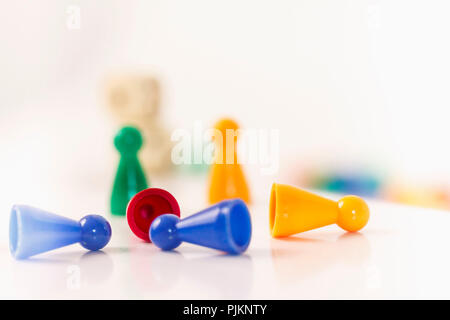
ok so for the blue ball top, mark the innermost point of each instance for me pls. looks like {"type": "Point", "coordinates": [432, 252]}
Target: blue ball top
{"type": "Point", "coordinates": [95, 232]}
{"type": "Point", "coordinates": [163, 232]}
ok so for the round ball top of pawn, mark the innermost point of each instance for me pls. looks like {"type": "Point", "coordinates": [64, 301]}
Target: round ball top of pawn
{"type": "Point", "coordinates": [95, 232]}
{"type": "Point", "coordinates": [128, 140]}
{"type": "Point", "coordinates": [163, 232]}
{"type": "Point", "coordinates": [226, 124]}
{"type": "Point", "coordinates": [353, 213]}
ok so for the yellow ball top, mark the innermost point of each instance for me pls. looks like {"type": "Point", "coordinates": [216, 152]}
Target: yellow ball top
{"type": "Point", "coordinates": [353, 213]}
{"type": "Point", "coordinates": [226, 123]}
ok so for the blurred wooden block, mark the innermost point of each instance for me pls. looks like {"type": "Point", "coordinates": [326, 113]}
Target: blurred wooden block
{"type": "Point", "coordinates": [131, 97]}
{"type": "Point", "coordinates": [156, 152]}
{"type": "Point", "coordinates": [134, 99]}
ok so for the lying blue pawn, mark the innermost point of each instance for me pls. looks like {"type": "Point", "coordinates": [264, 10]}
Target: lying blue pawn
{"type": "Point", "coordinates": [225, 226]}
{"type": "Point", "coordinates": [33, 231]}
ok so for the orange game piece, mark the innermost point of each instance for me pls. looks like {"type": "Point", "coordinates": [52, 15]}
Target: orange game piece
{"type": "Point", "coordinates": [293, 210]}
{"type": "Point", "coordinates": [227, 180]}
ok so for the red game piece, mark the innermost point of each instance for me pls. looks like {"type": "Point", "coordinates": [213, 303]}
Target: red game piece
{"type": "Point", "coordinates": [145, 206]}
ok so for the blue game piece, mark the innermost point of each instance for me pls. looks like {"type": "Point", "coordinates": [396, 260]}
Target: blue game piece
{"type": "Point", "coordinates": [33, 231]}
{"type": "Point", "coordinates": [225, 226]}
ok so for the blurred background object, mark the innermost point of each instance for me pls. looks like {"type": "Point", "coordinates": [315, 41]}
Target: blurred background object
{"type": "Point", "coordinates": [373, 184]}
{"type": "Point", "coordinates": [135, 100]}
{"type": "Point", "coordinates": [343, 181]}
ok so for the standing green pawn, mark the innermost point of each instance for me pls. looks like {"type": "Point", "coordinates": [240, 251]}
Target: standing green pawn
{"type": "Point", "coordinates": [130, 179]}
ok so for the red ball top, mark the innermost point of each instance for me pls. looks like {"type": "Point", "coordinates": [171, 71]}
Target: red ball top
{"type": "Point", "coordinates": [145, 206]}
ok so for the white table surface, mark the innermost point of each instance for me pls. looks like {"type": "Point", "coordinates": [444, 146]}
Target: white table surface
{"type": "Point", "coordinates": [402, 253]}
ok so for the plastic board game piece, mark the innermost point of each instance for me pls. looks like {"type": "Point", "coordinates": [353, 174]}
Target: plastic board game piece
{"type": "Point", "coordinates": [225, 226]}
{"type": "Point", "coordinates": [145, 206]}
{"type": "Point", "coordinates": [227, 180]}
{"type": "Point", "coordinates": [33, 231]}
{"type": "Point", "coordinates": [293, 210]}
{"type": "Point", "coordinates": [130, 178]}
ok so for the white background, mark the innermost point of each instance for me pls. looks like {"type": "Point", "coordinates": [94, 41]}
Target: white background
{"type": "Point", "coordinates": [359, 81]}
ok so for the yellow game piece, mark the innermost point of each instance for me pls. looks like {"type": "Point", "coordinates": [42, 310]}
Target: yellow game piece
{"type": "Point", "coordinates": [293, 210]}
{"type": "Point", "coordinates": [227, 180]}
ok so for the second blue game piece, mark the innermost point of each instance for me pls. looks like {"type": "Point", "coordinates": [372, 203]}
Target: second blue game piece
{"type": "Point", "coordinates": [33, 231]}
{"type": "Point", "coordinates": [225, 226]}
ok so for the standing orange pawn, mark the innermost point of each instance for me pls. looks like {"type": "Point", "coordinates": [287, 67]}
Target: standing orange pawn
{"type": "Point", "coordinates": [227, 180]}
{"type": "Point", "coordinates": [293, 210]}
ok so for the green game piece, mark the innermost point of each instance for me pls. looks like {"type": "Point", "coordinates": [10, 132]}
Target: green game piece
{"type": "Point", "coordinates": [130, 178]}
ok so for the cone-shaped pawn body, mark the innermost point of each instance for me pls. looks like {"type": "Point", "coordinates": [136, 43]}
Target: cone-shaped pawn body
{"type": "Point", "coordinates": [145, 206]}
{"type": "Point", "coordinates": [293, 210]}
{"type": "Point", "coordinates": [226, 226]}
{"type": "Point", "coordinates": [33, 231]}
{"type": "Point", "coordinates": [227, 180]}
{"type": "Point", "coordinates": [130, 178]}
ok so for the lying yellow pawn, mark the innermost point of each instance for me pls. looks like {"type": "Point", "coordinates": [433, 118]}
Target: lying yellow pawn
{"type": "Point", "coordinates": [293, 210]}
